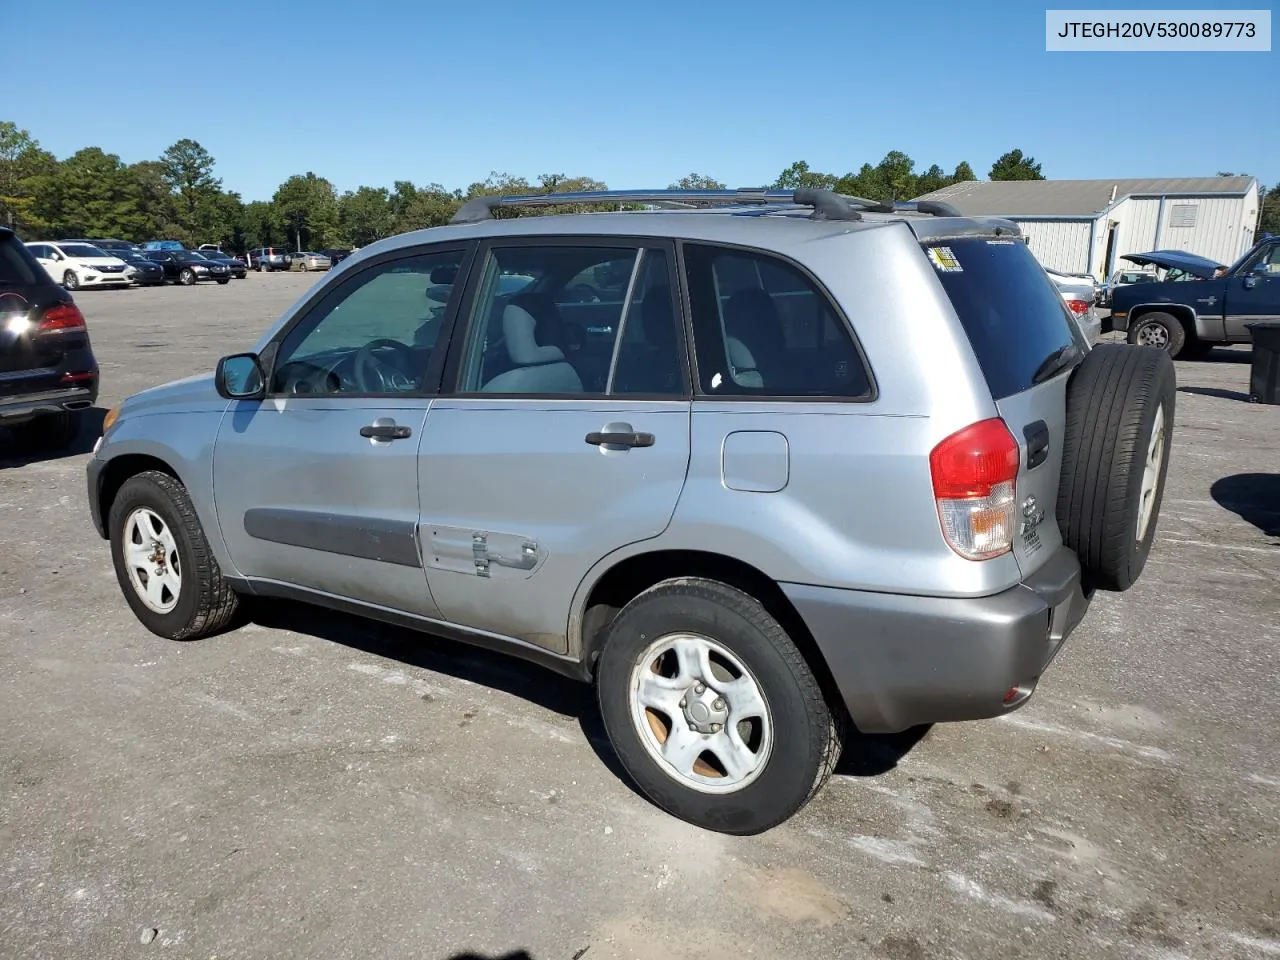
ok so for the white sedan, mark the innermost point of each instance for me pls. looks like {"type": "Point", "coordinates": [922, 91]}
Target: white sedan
{"type": "Point", "coordinates": [77, 265]}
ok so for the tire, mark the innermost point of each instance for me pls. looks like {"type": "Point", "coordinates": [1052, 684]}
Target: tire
{"type": "Point", "coordinates": [1162, 330]}
{"type": "Point", "coordinates": [1120, 408]}
{"type": "Point", "coordinates": [797, 737]}
{"type": "Point", "coordinates": [70, 280]}
{"type": "Point", "coordinates": [187, 277]}
{"type": "Point", "coordinates": [203, 603]}
{"type": "Point", "coordinates": [51, 431]}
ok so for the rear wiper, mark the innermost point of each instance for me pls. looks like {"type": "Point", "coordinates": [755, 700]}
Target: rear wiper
{"type": "Point", "coordinates": [1056, 362]}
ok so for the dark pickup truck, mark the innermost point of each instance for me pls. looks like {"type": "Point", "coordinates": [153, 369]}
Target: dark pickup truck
{"type": "Point", "coordinates": [1190, 317]}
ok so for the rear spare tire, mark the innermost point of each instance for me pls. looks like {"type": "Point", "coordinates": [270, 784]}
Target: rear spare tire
{"type": "Point", "coordinates": [1115, 455]}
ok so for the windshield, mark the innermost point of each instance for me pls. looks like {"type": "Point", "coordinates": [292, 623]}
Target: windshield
{"type": "Point", "coordinates": [187, 256]}
{"type": "Point", "coordinates": [1010, 309]}
{"type": "Point", "coordinates": [82, 251]}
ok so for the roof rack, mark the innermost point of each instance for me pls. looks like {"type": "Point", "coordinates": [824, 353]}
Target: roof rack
{"type": "Point", "coordinates": [826, 204]}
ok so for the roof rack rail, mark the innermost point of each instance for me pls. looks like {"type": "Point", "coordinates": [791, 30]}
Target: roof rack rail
{"type": "Point", "coordinates": [826, 204]}
{"type": "Point", "coordinates": [936, 208]}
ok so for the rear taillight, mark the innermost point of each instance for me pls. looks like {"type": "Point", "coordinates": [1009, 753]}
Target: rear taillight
{"type": "Point", "coordinates": [65, 316]}
{"type": "Point", "coordinates": [974, 472]}
{"type": "Point", "coordinates": [1078, 307]}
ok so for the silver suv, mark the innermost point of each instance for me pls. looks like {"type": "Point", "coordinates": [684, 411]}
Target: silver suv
{"type": "Point", "coordinates": [765, 467]}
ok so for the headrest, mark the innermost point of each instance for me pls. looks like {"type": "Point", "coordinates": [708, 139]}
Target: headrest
{"type": "Point", "coordinates": [445, 273]}
{"type": "Point", "coordinates": [518, 332]}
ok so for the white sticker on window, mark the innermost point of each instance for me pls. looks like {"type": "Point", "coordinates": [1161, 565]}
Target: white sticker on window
{"type": "Point", "coordinates": [1000, 243]}
{"type": "Point", "coordinates": [945, 260]}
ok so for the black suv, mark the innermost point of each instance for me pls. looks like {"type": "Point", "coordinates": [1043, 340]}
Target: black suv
{"type": "Point", "coordinates": [48, 373]}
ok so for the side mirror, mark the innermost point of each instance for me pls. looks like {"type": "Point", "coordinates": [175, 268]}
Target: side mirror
{"type": "Point", "coordinates": [240, 377]}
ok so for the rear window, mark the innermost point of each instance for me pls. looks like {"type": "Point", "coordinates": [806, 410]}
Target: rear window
{"type": "Point", "coordinates": [1011, 310]}
{"type": "Point", "coordinates": [17, 267]}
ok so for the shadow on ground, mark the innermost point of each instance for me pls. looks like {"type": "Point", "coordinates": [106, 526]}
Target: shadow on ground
{"type": "Point", "coordinates": [1255, 497]}
{"type": "Point", "coordinates": [517, 955]}
{"type": "Point", "coordinates": [14, 452]}
{"type": "Point", "coordinates": [865, 755]}
{"type": "Point", "coordinates": [1216, 392]}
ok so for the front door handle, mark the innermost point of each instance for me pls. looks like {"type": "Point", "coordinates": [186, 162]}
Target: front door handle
{"type": "Point", "coordinates": [620, 438]}
{"type": "Point", "coordinates": [384, 429]}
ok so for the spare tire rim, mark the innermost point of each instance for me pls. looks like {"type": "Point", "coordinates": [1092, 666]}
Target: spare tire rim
{"type": "Point", "coordinates": [151, 558]}
{"type": "Point", "coordinates": [1154, 335]}
{"type": "Point", "coordinates": [700, 713]}
{"type": "Point", "coordinates": [1151, 474]}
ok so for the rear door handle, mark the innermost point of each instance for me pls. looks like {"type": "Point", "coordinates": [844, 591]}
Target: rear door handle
{"type": "Point", "coordinates": [384, 429]}
{"type": "Point", "coordinates": [620, 438]}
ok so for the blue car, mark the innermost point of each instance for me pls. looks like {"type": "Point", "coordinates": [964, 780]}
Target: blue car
{"type": "Point", "coordinates": [1199, 304]}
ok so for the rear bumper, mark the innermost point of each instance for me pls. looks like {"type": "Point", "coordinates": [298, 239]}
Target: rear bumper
{"type": "Point", "coordinates": [16, 409]}
{"type": "Point", "coordinates": [1119, 322]}
{"type": "Point", "coordinates": [900, 661]}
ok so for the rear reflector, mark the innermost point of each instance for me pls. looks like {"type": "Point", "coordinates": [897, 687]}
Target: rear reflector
{"type": "Point", "coordinates": [78, 377]}
{"type": "Point", "coordinates": [65, 316]}
{"type": "Point", "coordinates": [1078, 307]}
{"type": "Point", "coordinates": [974, 475]}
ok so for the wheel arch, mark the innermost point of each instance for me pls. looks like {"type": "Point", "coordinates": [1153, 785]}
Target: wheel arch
{"type": "Point", "coordinates": [627, 577]}
{"type": "Point", "coordinates": [118, 471]}
{"type": "Point", "coordinates": [1184, 314]}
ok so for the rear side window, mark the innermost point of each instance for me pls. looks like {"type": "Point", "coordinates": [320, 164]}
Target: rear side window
{"type": "Point", "coordinates": [1012, 312]}
{"type": "Point", "coordinates": [762, 328]}
{"type": "Point", "coordinates": [17, 266]}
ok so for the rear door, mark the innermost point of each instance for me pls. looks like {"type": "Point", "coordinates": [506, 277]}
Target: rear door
{"type": "Point", "coordinates": [1026, 343]}
{"type": "Point", "coordinates": [536, 466]}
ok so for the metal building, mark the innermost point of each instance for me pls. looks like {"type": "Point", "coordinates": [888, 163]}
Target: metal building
{"type": "Point", "coordinates": [1085, 226]}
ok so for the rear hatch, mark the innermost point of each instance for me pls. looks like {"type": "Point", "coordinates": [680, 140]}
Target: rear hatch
{"type": "Point", "coordinates": [1026, 343]}
{"type": "Point", "coordinates": [29, 360]}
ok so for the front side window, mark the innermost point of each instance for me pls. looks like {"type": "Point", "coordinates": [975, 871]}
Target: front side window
{"type": "Point", "coordinates": [762, 328]}
{"type": "Point", "coordinates": [374, 334]}
{"type": "Point", "coordinates": [557, 321]}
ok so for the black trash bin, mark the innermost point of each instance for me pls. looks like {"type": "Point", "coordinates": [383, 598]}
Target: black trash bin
{"type": "Point", "coordinates": [1264, 374]}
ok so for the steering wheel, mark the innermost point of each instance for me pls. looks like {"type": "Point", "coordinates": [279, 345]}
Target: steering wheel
{"type": "Point", "coordinates": [374, 375]}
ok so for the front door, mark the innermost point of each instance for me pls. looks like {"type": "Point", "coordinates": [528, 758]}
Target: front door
{"type": "Point", "coordinates": [567, 436]}
{"type": "Point", "coordinates": [316, 485]}
{"type": "Point", "coordinates": [1253, 293]}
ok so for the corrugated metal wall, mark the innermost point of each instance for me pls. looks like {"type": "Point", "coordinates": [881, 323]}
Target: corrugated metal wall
{"type": "Point", "coordinates": [1059, 244]}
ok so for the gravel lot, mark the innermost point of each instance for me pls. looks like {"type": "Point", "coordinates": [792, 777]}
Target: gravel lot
{"type": "Point", "coordinates": [316, 786]}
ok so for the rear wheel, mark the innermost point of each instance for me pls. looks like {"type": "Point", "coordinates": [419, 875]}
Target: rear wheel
{"type": "Point", "coordinates": [712, 709]}
{"type": "Point", "coordinates": [1115, 456]}
{"type": "Point", "coordinates": [1161, 330]}
{"type": "Point", "coordinates": [70, 280]}
{"type": "Point", "coordinates": [163, 563]}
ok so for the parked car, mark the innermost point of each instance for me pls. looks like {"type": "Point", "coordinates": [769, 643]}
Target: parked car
{"type": "Point", "coordinates": [335, 254]}
{"type": "Point", "coordinates": [142, 270]}
{"type": "Point", "coordinates": [163, 245]}
{"type": "Point", "coordinates": [188, 267]}
{"type": "Point", "coordinates": [751, 514]}
{"type": "Point", "coordinates": [1079, 294]}
{"type": "Point", "coordinates": [267, 259]}
{"type": "Point", "coordinates": [48, 373]}
{"type": "Point", "coordinates": [1123, 278]}
{"type": "Point", "coordinates": [306, 260]}
{"type": "Point", "coordinates": [1191, 310]}
{"type": "Point", "coordinates": [209, 248]}
{"type": "Point", "coordinates": [77, 265]}
{"type": "Point", "coordinates": [233, 264]}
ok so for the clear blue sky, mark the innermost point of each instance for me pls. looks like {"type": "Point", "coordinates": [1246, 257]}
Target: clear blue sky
{"type": "Point", "coordinates": [635, 95]}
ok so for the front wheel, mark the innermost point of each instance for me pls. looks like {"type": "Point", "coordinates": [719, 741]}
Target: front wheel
{"type": "Point", "coordinates": [70, 280]}
{"type": "Point", "coordinates": [163, 563]}
{"type": "Point", "coordinates": [1161, 330]}
{"type": "Point", "coordinates": [712, 709]}
{"type": "Point", "coordinates": [187, 277]}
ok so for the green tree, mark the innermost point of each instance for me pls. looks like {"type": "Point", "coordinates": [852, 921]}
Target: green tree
{"type": "Point", "coordinates": [1269, 210]}
{"type": "Point", "coordinates": [24, 166]}
{"type": "Point", "coordinates": [799, 175]}
{"type": "Point", "coordinates": [308, 206]}
{"type": "Point", "coordinates": [365, 215]}
{"type": "Point", "coordinates": [91, 193]}
{"type": "Point", "coordinates": [157, 204]}
{"type": "Point", "coordinates": [931, 180]}
{"type": "Point", "coordinates": [963, 172]}
{"type": "Point", "coordinates": [188, 169]}
{"type": "Point", "coordinates": [697, 181]}
{"type": "Point", "coordinates": [261, 225]}
{"type": "Point", "coordinates": [1014, 166]}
